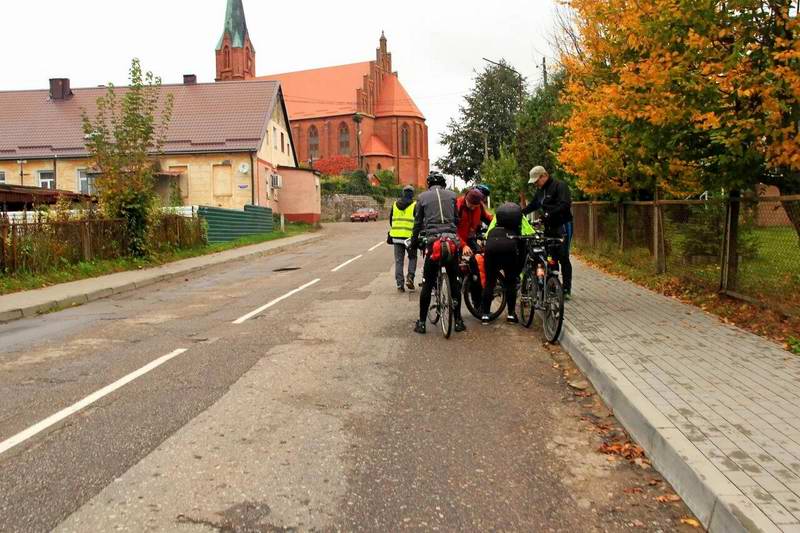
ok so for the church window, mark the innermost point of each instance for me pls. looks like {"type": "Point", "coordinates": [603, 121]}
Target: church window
{"type": "Point", "coordinates": [404, 135]}
{"type": "Point", "coordinates": [344, 139]}
{"type": "Point", "coordinates": [313, 142]}
{"type": "Point", "coordinates": [227, 57]}
{"type": "Point", "coordinates": [379, 167]}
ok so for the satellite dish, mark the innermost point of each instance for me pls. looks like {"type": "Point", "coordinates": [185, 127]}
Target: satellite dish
{"type": "Point", "coordinates": [244, 168]}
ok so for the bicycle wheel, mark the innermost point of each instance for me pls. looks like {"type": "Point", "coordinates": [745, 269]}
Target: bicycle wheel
{"type": "Point", "coordinates": [553, 309]}
{"type": "Point", "coordinates": [473, 296]}
{"type": "Point", "coordinates": [527, 299]}
{"type": "Point", "coordinates": [433, 308]}
{"type": "Point", "coordinates": [445, 302]}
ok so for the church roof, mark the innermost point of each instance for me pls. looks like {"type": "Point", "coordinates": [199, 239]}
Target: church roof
{"type": "Point", "coordinates": [212, 117]}
{"type": "Point", "coordinates": [395, 101]}
{"type": "Point", "coordinates": [331, 91]}
{"type": "Point", "coordinates": [322, 92]}
{"type": "Point", "coordinates": [375, 146]}
{"type": "Point", "coordinates": [235, 24]}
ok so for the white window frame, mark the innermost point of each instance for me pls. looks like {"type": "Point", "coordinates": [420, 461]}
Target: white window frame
{"type": "Point", "coordinates": [53, 179]}
{"type": "Point", "coordinates": [91, 188]}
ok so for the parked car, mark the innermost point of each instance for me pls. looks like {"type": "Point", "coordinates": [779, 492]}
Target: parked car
{"type": "Point", "coordinates": [364, 214]}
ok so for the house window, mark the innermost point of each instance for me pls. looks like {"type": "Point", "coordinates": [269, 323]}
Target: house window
{"type": "Point", "coordinates": [344, 139]}
{"type": "Point", "coordinates": [404, 140]}
{"type": "Point", "coordinates": [86, 184]}
{"type": "Point", "coordinates": [47, 179]}
{"type": "Point", "coordinates": [275, 138]}
{"type": "Point", "coordinates": [283, 143]}
{"type": "Point", "coordinates": [2, 177]}
{"type": "Point", "coordinates": [313, 142]}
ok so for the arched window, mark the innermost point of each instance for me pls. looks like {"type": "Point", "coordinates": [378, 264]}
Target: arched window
{"type": "Point", "coordinates": [313, 142]}
{"type": "Point", "coordinates": [226, 53]}
{"type": "Point", "coordinates": [379, 167]}
{"type": "Point", "coordinates": [404, 134]}
{"type": "Point", "coordinates": [249, 59]}
{"type": "Point", "coordinates": [419, 140]}
{"type": "Point", "coordinates": [344, 139]}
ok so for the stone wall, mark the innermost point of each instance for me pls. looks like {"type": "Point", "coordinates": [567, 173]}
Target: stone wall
{"type": "Point", "coordinates": [338, 207]}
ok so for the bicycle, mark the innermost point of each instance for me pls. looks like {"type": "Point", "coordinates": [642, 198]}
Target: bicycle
{"type": "Point", "coordinates": [472, 286]}
{"type": "Point", "coordinates": [442, 304]}
{"type": "Point", "coordinates": [541, 289]}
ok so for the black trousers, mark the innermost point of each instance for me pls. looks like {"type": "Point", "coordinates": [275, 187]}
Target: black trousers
{"type": "Point", "coordinates": [502, 254]}
{"type": "Point", "coordinates": [430, 272]}
{"type": "Point", "coordinates": [561, 254]}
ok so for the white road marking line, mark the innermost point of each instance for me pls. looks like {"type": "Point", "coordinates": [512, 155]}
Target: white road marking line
{"type": "Point", "coordinates": [251, 314]}
{"type": "Point", "coordinates": [74, 408]}
{"type": "Point", "coordinates": [346, 263]}
{"type": "Point", "coordinates": [376, 246]}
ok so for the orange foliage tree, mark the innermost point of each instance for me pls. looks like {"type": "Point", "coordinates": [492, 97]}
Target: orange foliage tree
{"type": "Point", "coordinates": [683, 95]}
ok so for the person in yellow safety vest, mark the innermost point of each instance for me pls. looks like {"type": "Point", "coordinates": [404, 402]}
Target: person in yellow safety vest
{"type": "Point", "coordinates": [401, 220]}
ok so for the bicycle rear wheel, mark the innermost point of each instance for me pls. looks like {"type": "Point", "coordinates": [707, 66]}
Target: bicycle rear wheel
{"type": "Point", "coordinates": [445, 303]}
{"type": "Point", "coordinates": [527, 299]}
{"type": "Point", "coordinates": [553, 318]}
{"type": "Point", "coordinates": [433, 308]}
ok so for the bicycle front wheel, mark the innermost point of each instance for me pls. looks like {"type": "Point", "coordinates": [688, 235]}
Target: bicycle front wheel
{"type": "Point", "coordinates": [553, 309]}
{"type": "Point", "coordinates": [473, 297]}
{"type": "Point", "coordinates": [445, 303]}
{"type": "Point", "coordinates": [527, 298]}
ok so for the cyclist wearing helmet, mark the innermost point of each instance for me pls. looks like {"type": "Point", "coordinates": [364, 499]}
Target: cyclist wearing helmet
{"type": "Point", "coordinates": [435, 216]}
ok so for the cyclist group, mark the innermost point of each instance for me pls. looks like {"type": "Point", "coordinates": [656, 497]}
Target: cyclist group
{"type": "Point", "coordinates": [446, 227]}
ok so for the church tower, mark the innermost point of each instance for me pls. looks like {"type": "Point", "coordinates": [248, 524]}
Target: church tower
{"type": "Point", "coordinates": [236, 57]}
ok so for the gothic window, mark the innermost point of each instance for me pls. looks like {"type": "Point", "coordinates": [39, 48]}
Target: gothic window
{"type": "Point", "coordinates": [344, 139]}
{"type": "Point", "coordinates": [227, 57]}
{"type": "Point", "coordinates": [419, 140]}
{"type": "Point", "coordinates": [313, 142]}
{"type": "Point", "coordinates": [404, 135]}
{"type": "Point", "coordinates": [379, 167]}
{"type": "Point", "coordinates": [249, 60]}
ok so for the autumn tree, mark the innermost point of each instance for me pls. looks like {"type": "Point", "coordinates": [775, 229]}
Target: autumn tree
{"type": "Point", "coordinates": [486, 121]}
{"type": "Point", "coordinates": [124, 137]}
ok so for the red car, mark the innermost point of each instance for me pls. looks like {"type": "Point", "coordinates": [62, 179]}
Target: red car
{"type": "Point", "coordinates": [364, 214]}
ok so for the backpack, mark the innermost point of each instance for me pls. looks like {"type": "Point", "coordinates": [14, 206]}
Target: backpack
{"type": "Point", "coordinates": [443, 250]}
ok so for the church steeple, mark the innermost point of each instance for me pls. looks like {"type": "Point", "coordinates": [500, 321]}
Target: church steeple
{"type": "Point", "coordinates": [236, 56]}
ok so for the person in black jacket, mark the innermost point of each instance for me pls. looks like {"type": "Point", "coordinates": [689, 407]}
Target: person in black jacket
{"type": "Point", "coordinates": [553, 198]}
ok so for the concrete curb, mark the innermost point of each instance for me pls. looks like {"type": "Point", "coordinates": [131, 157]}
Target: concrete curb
{"type": "Point", "coordinates": [716, 502]}
{"type": "Point", "coordinates": [141, 278]}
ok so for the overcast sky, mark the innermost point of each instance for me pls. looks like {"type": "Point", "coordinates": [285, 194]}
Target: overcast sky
{"type": "Point", "coordinates": [436, 44]}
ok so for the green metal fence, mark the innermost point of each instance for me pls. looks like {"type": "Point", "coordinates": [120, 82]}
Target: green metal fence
{"type": "Point", "coordinates": [230, 224]}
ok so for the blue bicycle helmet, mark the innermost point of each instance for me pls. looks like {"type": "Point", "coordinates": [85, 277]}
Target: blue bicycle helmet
{"type": "Point", "coordinates": [484, 189]}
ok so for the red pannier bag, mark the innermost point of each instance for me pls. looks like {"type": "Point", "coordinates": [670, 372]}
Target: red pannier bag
{"type": "Point", "coordinates": [443, 250]}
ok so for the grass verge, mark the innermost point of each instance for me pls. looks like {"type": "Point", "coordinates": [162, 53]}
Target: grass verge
{"type": "Point", "coordinates": [74, 272]}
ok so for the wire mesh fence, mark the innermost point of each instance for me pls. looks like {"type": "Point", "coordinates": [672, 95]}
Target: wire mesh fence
{"type": "Point", "coordinates": [42, 245]}
{"type": "Point", "coordinates": [747, 248]}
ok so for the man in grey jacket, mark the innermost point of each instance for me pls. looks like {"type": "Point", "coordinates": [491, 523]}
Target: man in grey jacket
{"type": "Point", "coordinates": [435, 215]}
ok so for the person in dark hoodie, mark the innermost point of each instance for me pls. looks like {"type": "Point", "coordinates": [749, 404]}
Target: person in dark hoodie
{"type": "Point", "coordinates": [401, 221]}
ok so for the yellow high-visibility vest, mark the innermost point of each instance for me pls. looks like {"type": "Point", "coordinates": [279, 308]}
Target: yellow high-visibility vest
{"type": "Point", "coordinates": [402, 222]}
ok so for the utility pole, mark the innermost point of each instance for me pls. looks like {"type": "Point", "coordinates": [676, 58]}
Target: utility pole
{"type": "Point", "coordinates": [544, 70]}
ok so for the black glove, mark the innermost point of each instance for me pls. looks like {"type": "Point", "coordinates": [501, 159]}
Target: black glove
{"type": "Point", "coordinates": [414, 244]}
{"type": "Point", "coordinates": [389, 239]}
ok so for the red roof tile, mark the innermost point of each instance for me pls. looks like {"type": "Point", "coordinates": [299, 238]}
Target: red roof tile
{"type": "Point", "coordinates": [394, 101]}
{"type": "Point", "coordinates": [227, 117]}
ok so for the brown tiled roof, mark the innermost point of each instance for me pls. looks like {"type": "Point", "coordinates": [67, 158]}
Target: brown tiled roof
{"type": "Point", "coordinates": [225, 117]}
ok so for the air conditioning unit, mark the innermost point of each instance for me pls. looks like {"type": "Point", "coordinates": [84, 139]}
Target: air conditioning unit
{"type": "Point", "coordinates": [277, 181]}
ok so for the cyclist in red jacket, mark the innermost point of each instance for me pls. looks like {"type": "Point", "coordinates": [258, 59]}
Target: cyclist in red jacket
{"type": "Point", "coordinates": [471, 213]}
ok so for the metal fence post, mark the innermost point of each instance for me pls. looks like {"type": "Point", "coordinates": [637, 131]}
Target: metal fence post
{"type": "Point", "coordinates": [658, 239]}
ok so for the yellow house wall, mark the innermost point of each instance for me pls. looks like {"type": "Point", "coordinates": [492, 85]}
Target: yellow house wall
{"type": "Point", "coordinates": [200, 179]}
{"type": "Point", "coordinates": [66, 172]}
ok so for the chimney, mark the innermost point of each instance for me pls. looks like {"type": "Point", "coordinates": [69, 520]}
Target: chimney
{"type": "Point", "coordinates": [59, 89]}
{"type": "Point", "coordinates": [189, 79]}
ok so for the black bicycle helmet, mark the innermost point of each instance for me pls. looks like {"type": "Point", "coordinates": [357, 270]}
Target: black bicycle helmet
{"type": "Point", "coordinates": [436, 178]}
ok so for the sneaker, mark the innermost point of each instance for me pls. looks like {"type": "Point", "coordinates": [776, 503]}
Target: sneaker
{"type": "Point", "coordinates": [485, 320]}
{"type": "Point", "coordinates": [410, 282]}
{"type": "Point", "coordinates": [460, 326]}
{"type": "Point", "coordinates": [400, 288]}
{"type": "Point", "coordinates": [419, 327]}
{"type": "Point", "coordinates": [512, 319]}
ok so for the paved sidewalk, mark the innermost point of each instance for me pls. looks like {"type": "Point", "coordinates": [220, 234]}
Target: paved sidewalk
{"type": "Point", "coordinates": [29, 303]}
{"type": "Point", "coordinates": [716, 408]}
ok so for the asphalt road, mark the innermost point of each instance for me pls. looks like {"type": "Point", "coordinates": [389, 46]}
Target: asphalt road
{"type": "Point", "coordinates": [321, 412]}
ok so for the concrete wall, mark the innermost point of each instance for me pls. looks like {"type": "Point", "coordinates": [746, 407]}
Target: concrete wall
{"type": "Point", "coordinates": [339, 207]}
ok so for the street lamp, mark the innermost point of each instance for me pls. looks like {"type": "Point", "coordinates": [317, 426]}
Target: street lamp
{"type": "Point", "coordinates": [357, 118]}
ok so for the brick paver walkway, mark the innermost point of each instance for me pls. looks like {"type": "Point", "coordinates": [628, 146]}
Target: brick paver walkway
{"type": "Point", "coordinates": [735, 397]}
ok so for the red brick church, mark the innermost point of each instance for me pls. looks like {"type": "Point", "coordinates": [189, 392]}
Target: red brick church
{"type": "Point", "coordinates": [324, 104]}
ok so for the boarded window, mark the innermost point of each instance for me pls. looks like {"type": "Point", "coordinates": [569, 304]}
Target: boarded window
{"type": "Point", "coordinates": [223, 183]}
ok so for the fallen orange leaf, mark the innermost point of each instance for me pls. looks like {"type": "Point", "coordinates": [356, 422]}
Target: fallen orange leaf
{"type": "Point", "coordinates": [690, 522]}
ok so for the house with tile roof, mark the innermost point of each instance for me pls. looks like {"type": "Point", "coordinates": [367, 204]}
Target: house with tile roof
{"type": "Point", "coordinates": [360, 110]}
{"type": "Point", "coordinates": [228, 145]}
